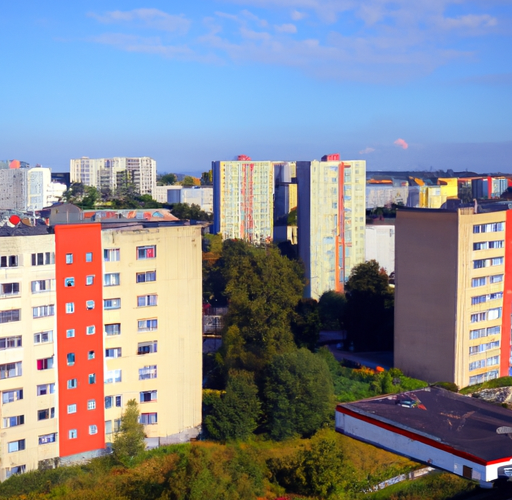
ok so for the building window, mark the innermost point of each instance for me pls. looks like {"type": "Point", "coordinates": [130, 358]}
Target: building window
{"type": "Point", "coordinates": [494, 330]}
{"type": "Point", "coordinates": [9, 316]}
{"type": "Point", "coordinates": [111, 401]}
{"type": "Point", "coordinates": [146, 252]}
{"type": "Point", "coordinates": [147, 396]}
{"type": "Point", "coordinates": [72, 408]}
{"type": "Point", "coordinates": [497, 278]}
{"type": "Point", "coordinates": [93, 429]}
{"type": "Point", "coordinates": [114, 352]}
{"type": "Point", "coordinates": [72, 383]}
{"type": "Point", "coordinates": [10, 289]}
{"type": "Point", "coordinates": [43, 258]}
{"type": "Point", "coordinates": [92, 378]}
{"type": "Point", "coordinates": [147, 372]}
{"type": "Point", "coordinates": [111, 254]}
{"type": "Point", "coordinates": [497, 261]}
{"type": "Point", "coordinates": [16, 446]}
{"type": "Point", "coordinates": [147, 325]}
{"type": "Point", "coordinates": [113, 376]}
{"type": "Point", "coordinates": [494, 313]}
{"type": "Point", "coordinates": [108, 427]}
{"type": "Point", "coordinates": [70, 307]}
{"type": "Point", "coordinates": [89, 280]}
{"type": "Point", "coordinates": [43, 337]}
{"type": "Point", "coordinates": [90, 355]}
{"type": "Point", "coordinates": [10, 370]}
{"type": "Point", "coordinates": [147, 276]}
{"type": "Point", "coordinates": [12, 395]}
{"type": "Point", "coordinates": [44, 389]}
{"type": "Point", "coordinates": [113, 329]}
{"type": "Point", "coordinates": [111, 304]}
{"type": "Point", "coordinates": [111, 279]}
{"type": "Point", "coordinates": [483, 245]}
{"type": "Point", "coordinates": [479, 263]}
{"type": "Point", "coordinates": [10, 342]}
{"type": "Point", "coordinates": [478, 282]}
{"type": "Point", "coordinates": [476, 334]}
{"type": "Point", "coordinates": [72, 434]}
{"type": "Point", "coordinates": [8, 261]}
{"type": "Point", "coordinates": [148, 418]}
{"type": "Point", "coordinates": [147, 300]}
{"type": "Point", "coordinates": [70, 358]}
{"type": "Point", "coordinates": [43, 311]}
{"type": "Point", "coordinates": [481, 316]}
{"type": "Point", "coordinates": [48, 438]}
{"type": "Point", "coordinates": [489, 228]}
{"type": "Point", "coordinates": [88, 257]}
{"type": "Point", "coordinates": [496, 244]}
{"type": "Point", "coordinates": [13, 421]}
{"type": "Point", "coordinates": [17, 469]}
{"type": "Point", "coordinates": [89, 305]}
{"type": "Point", "coordinates": [147, 347]}
{"type": "Point", "coordinates": [69, 281]}
{"type": "Point", "coordinates": [91, 404]}
{"type": "Point", "coordinates": [46, 414]}
{"type": "Point", "coordinates": [69, 258]}
{"type": "Point", "coordinates": [70, 333]}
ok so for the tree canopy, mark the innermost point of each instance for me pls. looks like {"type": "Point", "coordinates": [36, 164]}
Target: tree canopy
{"type": "Point", "coordinates": [299, 394]}
{"type": "Point", "coordinates": [167, 179]}
{"type": "Point", "coordinates": [370, 307]}
{"type": "Point", "coordinates": [190, 212]}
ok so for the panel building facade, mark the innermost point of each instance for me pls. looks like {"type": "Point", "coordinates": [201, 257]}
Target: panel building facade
{"type": "Point", "coordinates": [454, 293]}
{"type": "Point", "coordinates": [115, 173]}
{"type": "Point", "coordinates": [243, 199]}
{"type": "Point", "coordinates": [91, 316]}
{"type": "Point", "coordinates": [331, 221]}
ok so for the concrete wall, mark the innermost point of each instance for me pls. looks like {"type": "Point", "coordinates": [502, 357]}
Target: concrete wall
{"type": "Point", "coordinates": [380, 245]}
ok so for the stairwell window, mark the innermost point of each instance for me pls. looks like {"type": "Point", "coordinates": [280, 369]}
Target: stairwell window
{"type": "Point", "coordinates": [70, 307]}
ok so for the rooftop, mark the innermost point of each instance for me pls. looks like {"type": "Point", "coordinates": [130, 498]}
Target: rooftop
{"type": "Point", "coordinates": [444, 418]}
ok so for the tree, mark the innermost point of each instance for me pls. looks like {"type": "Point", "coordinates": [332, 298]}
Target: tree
{"type": "Point", "coordinates": [167, 180]}
{"type": "Point", "coordinates": [129, 441]}
{"type": "Point", "coordinates": [207, 178]}
{"type": "Point", "coordinates": [331, 307]}
{"type": "Point", "coordinates": [189, 181]}
{"type": "Point", "coordinates": [262, 288]}
{"type": "Point", "coordinates": [299, 394]}
{"type": "Point", "coordinates": [370, 305]}
{"type": "Point", "coordinates": [184, 211]}
{"type": "Point", "coordinates": [235, 415]}
{"type": "Point", "coordinates": [305, 324]}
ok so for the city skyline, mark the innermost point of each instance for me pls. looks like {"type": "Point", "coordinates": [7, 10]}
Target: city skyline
{"type": "Point", "coordinates": [399, 85]}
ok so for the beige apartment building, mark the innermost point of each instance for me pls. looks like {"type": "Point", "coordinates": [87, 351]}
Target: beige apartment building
{"type": "Point", "coordinates": [451, 321]}
{"type": "Point", "coordinates": [137, 286]}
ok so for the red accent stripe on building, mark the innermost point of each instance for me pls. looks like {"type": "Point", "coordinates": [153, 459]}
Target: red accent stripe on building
{"type": "Point", "coordinates": [339, 279]}
{"type": "Point", "coordinates": [78, 255]}
{"type": "Point", "coordinates": [420, 438]}
{"type": "Point", "coordinates": [507, 299]}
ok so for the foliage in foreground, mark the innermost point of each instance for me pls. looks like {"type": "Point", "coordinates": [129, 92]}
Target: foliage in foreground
{"type": "Point", "coordinates": [129, 441]}
{"type": "Point", "coordinates": [327, 466]}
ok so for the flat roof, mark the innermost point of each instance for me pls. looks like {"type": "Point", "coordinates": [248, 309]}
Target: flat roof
{"type": "Point", "coordinates": [442, 419]}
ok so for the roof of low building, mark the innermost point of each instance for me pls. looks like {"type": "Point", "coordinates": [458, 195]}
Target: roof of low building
{"type": "Point", "coordinates": [442, 419]}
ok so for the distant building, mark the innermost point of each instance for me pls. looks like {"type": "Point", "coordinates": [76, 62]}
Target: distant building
{"type": "Point", "coordinates": [243, 199]}
{"type": "Point", "coordinates": [386, 194]}
{"type": "Point", "coordinates": [453, 276]}
{"type": "Point", "coordinates": [114, 173]}
{"type": "Point", "coordinates": [23, 187]}
{"type": "Point", "coordinates": [201, 196]}
{"type": "Point", "coordinates": [161, 192]}
{"type": "Point", "coordinates": [380, 245]}
{"type": "Point", "coordinates": [331, 221]}
{"type": "Point", "coordinates": [91, 316]}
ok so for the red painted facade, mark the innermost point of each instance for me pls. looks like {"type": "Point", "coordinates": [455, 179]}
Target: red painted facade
{"type": "Point", "coordinates": [507, 300]}
{"type": "Point", "coordinates": [79, 286]}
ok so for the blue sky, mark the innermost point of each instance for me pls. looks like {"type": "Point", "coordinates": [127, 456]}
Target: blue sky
{"type": "Point", "coordinates": [191, 82]}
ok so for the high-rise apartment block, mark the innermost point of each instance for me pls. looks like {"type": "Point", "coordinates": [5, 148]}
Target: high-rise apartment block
{"type": "Point", "coordinates": [331, 221]}
{"type": "Point", "coordinates": [114, 173]}
{"type": "Point", "coordinates": [23, 187]}
{"type": "Point", "coordinates": [91, 316]}
{"type": "Point", "coordinates": [243, 199]}
{"type": "Point", "coordinates": [453, 288]}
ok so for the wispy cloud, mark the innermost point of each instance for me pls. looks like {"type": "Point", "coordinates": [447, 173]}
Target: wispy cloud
{"type": "Point", "coordinates": [148, 18]}
{"type": "Point", "coordinates": [388, 40]}
{"type": "Point", "coordinates": [366, 151]}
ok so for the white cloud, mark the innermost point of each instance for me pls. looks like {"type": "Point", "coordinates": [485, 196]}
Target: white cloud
{"type": "Point", "coordinates": [148, 18]}
{"type": "Point", "coordinates": [286, 28]}
{"type": "Point", "coordinates": [366, 151]}
{"type": "Point", "coordinates": [297, 16]}
{"type": "Point", "coordinates": [469, 21]}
